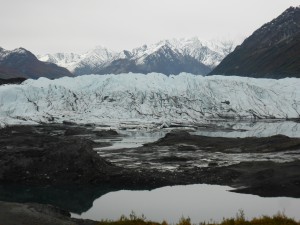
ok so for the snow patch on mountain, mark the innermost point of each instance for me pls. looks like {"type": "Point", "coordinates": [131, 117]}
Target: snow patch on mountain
{"type": "Point", "coordinates": [5, 53]}
{"type": "Point", "coordinates": [93, 58]}
{"type": "Point", "coordinates": [154, 98]}
{"type": "Point", "coordinates": [98, 56]}
{"type": "Point", "coordinates": [208, 53]}
{"type": "Point", "coordinates": [67, 60]}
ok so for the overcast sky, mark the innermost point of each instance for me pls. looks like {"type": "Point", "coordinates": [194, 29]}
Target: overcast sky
{"type": "Point", "coordinates": [49, 26]}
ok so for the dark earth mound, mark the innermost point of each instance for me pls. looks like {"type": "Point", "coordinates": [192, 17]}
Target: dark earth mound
{"type": "Point", "coordinates": [38, 155]}
{"type": "Point", "coordinates": [12, 81]}
{"type": "Point", "coordinates": [275, 143]}
{"type": "Point", "coordinates": [63, 155]}
{"type": "Point", "coordinates": [37, 214]}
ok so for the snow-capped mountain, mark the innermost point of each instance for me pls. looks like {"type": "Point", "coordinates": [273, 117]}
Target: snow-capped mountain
{"type": "Point", "coordinates": [186, 47]}
{"type": "Point", "coordinates": [21, 63]}
{"type": "Point", "coordinates": [154, 98]}
{"type": "Point", "coordinates": [81, 64]}
{"type": "Point", "coordinates": [67, 60]}
{"type": "Point", "coordinates": [167, 57]}
{"type": "Point", "coordinates": [93, 60]}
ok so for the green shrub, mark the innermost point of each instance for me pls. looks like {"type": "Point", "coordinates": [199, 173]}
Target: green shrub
{"type": "Point", "coordinates": [278, 219]}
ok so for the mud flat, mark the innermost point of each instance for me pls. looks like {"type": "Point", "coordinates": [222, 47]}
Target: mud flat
{"type": "Point", "coordinates": [37, 214]}
{"type": "Point", "coordinates": [64, 156]}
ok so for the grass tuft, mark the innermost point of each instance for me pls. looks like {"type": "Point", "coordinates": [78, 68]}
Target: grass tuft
{"type": "Point", "coordinates": [278, 219]}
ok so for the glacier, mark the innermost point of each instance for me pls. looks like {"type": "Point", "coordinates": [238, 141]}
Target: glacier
{"type": "Point", "coordinates": [148, 99]}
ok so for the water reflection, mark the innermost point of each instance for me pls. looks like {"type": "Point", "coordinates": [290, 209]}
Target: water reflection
{"type": "Point", "coordinates": [199, 202]}
{"type": "Point", "coordinates": [76, 199]}
{"type": "Point", "coordinates": [136, 138]}
{"type": "Point", "coordinates": [125, 152]}
{"type": "Point", "coordinates": [253, 129]}
{"type": "Point", "coordinates": [132, 139]}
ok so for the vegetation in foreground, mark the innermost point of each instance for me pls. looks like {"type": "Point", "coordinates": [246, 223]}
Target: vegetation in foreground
{"type": "Point", "coordinates": [278, 219]}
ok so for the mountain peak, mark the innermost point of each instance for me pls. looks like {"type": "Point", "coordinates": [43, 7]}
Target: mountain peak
{"type": "Point", "coordinates": [279, 29]}
{"type": "Point", "coordinates": [143, 59]}
{"type": "Point", "coordinates": [20, 50]}
{"type": "Point", "coordinates": [271, 51]}
{"type": "Point", "coordinates": [22, 63]}
{"type": "Point", "coordinates": [294, 7]}
{"type": "Point", "coordinates": [101, 49]}
{"type": "Point", "coordinates": [98, 55]}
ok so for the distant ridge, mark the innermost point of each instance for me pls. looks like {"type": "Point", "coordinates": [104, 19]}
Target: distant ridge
{"type": "Point", "coordinates": [21, 63]}
{"type": "Point", "coordinates": [272, 51]}
{"type": "Point", "coordinates": [12, 81]}
{"type": "Point", "coordinates": [167, 57]}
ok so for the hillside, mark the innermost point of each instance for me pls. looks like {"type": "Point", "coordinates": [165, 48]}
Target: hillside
{"type": "Point", "coordinates": [272, 51]}
{"type": "Point", "coordinates": [20, 63]}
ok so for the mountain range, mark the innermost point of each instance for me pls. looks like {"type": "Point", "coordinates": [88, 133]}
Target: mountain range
{"type": "Point", "coordinates": [167, 57]}
{"type": "Point", "coordinates": [272, 51]}
{"type": "Point", "coordinates": [20, 63]}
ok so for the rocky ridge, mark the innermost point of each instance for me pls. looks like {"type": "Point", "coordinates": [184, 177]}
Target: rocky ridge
{"type": "Point", "coordinates": [272, 51]}
{"type": "Point", "coordinates": [20, 63]}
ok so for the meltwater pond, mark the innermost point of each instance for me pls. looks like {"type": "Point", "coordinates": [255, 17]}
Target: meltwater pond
{"type": "Point", "coordinates": [127, 151]}
{"type": "Point", "coordinates": [200, 202]}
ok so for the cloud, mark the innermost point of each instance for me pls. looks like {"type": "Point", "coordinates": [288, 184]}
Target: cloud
{"type": "Point", "coordinates": [76, 25]}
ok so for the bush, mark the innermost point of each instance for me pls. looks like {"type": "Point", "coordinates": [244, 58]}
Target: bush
{"type": "Point", "coordinates": [278, 219]}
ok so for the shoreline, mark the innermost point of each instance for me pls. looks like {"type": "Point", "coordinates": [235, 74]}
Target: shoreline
{"type": "Point", "coordinates": [37, 214]}
{"type": "Point", "coordinates": [68, 150]}
{"type": "Point", "coordinates": [58, 156]}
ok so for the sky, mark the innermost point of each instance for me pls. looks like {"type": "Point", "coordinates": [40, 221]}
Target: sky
{"type": "Point", "coordinates": [49, 26]}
